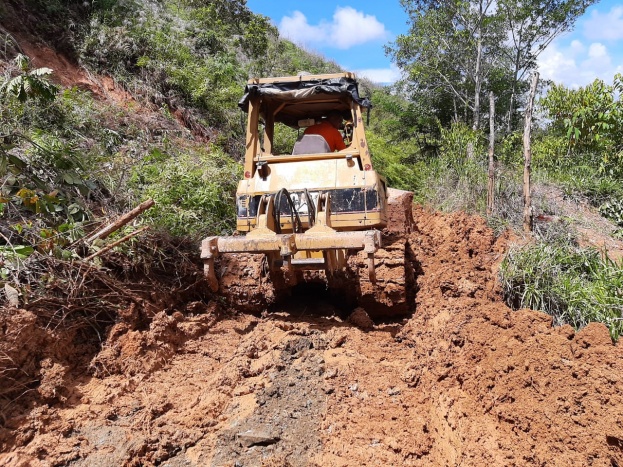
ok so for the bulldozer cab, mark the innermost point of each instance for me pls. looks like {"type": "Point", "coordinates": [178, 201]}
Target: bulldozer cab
{"type": "Point", "coordinates": [357, 192]}
{"type": "Point", "coordinates": [300, 103]}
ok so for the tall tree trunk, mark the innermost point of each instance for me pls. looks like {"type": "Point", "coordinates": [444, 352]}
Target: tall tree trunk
{"type": "Point", "coordinates": [491, 179]}
{"type": "Point", "coordinates": [528, 213]}
{"type": "Point", "coordinates": [511, 104]}
{"type": "Point", "coordinates": [477, 85]}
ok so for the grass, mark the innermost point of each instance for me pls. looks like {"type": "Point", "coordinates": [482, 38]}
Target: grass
{"type": "Point", "coordinates": [575, 285]}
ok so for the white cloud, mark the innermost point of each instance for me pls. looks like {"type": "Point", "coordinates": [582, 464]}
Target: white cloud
{"type": "Point", "coordinates": [577, 65]}
{"type": "Point", "coordinates": [599, 62]}
{"type": "Point", "coordinates": [556, 65]}
{"type": "Point", "coordinates": [380, 75]}
{"type": "Point", "coordinates": [352, 27]}
{"type": "Point", "coordinates": [605, 26]}
{"type": "Point", "coordinates": [597, 50]}
{"type": "Point", "coordinates": [297, 29]}
{"type": "Point", "coordinates": [577, 47]}
{"type": "Point", "coordinates": [347, 28]}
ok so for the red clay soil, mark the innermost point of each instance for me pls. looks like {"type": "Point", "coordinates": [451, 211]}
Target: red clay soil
{"type": "Point", "coordinates": [463, 381]}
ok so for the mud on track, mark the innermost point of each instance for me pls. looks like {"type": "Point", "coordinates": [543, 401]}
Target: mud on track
{"type": "Point", "coordinates": [464, 381]}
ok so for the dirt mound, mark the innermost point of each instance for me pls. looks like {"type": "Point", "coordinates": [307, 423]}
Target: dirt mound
{"type": "Point", "coordinates": [464, 381]}
{"type": "Point", "coordinates": [504, 387]}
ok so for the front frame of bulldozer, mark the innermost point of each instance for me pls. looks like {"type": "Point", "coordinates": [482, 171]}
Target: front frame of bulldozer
{"type": "Point", "coordinates": [282, 250]}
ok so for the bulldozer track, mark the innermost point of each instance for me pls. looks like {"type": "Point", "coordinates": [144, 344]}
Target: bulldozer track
{"type": "Point", "coordinates": [245, 283]}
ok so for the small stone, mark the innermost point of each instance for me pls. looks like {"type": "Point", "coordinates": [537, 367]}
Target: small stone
{"type": "Point", "coordinates": [12, 296]}
{"type": "Point", "coordinates": [256, 437]}
{"type": "Point", "coordinates": [336, 342]}
{"type": "Point", "coordinates": [360, 318]}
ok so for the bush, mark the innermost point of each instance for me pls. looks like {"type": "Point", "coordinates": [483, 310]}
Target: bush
{"type": "Point", "coordinates": [194, 193]}
{"type": "Point", "coordinates": [574, 285]}
{"type": "Point", "coordinates": [458, 181]}
{"type": "Point", "coordinates": [391, 160]}
{"type": "Point", "coordinates": [580, 175]}
{"type": "Point", "coordinates": [449, 180]}
{"type": "Point", "coordinates": [613, 210]}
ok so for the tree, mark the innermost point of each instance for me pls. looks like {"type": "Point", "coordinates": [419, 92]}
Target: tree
{"type": "Point", "coordinates": [528, 211]}
{"type": "Point", "coordinates": [461, 50]}
{"type": "Point", "coordinates": [450, 50]}
{"type": "Point", "coordinates": [532, 25]}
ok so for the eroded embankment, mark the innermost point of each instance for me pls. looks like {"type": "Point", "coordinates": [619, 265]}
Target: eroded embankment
{"type": "Point", "coordinates": [464, 381]}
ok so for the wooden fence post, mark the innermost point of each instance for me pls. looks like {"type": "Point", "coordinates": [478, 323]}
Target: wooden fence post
{"type": "Point", "coordinates": [528, 212]}
{"type": "Point", "coordinates": [491, 180]}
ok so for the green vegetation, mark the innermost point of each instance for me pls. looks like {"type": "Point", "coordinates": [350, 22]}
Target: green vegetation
{"type": "Point", "coordinates": [583, 150]}
{"type": "Point", "coordinates": [193, 193]}
{"type": "Point", "coordinates": [574, 285]}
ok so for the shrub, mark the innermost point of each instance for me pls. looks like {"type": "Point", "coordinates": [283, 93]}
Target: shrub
{"type": "Point", "coordinates": [574, 285]}
{"type": "Point", "coordinates": [449, 180]}
{"type": "Point", "coordinates": [613, 210]}
{"type": "Point", "coordinates": [590, 117]}
{"type": "Point", "coordinates": [194, 193]}
{"type": "Point", "coordinates": [391, 160]}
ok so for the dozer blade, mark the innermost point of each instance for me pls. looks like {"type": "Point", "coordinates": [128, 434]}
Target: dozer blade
{"type": "Point", "coordinates": [324, 240]}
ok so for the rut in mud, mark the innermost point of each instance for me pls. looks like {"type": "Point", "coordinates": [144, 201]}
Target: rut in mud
{"type": "Point", "coordinates": [462, 381]}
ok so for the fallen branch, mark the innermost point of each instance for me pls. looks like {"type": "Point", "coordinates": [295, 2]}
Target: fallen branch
{"type": "Point", "coordinates": [115, 243]}
{"type": "Point", "coordinates": [121, 221]}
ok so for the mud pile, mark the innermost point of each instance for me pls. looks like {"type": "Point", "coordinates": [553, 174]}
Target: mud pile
{"type": "Point", "coordinates": [463, 381]}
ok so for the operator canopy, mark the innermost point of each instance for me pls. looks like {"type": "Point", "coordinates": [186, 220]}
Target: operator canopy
{"type": "Point", "coordinates": [304, 98]}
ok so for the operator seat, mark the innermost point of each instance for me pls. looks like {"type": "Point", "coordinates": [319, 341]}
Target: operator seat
{"type": "Point", "coordinates": [311, 144]}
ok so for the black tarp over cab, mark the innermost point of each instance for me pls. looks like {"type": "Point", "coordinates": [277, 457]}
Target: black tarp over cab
{"type": "Point", "coordinates": [303, 97]}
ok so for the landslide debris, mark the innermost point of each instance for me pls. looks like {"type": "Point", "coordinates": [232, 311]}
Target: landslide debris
{"type": "Point", "coordinates": [463, 381]}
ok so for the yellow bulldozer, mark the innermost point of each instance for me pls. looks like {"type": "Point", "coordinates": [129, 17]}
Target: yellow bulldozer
{"type": "Point", "coordinates": [312, 215]}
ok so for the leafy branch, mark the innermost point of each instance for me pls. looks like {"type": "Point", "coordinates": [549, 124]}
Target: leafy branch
{"type": "Point", "coordinates": [29, 84]}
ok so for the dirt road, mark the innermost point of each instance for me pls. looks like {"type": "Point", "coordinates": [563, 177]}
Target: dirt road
{"type": "Point", "coordinates": [463, 381]}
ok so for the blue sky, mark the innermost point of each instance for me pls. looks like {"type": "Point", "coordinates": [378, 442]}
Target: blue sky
{"type": "Point", "coordinates": [353, 33]}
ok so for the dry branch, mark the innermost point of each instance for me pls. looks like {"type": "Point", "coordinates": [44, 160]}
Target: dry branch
{"type": "Point", "coordinates": [115, 243]}
{"type": "Point", "coordinates": [121, 221]}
